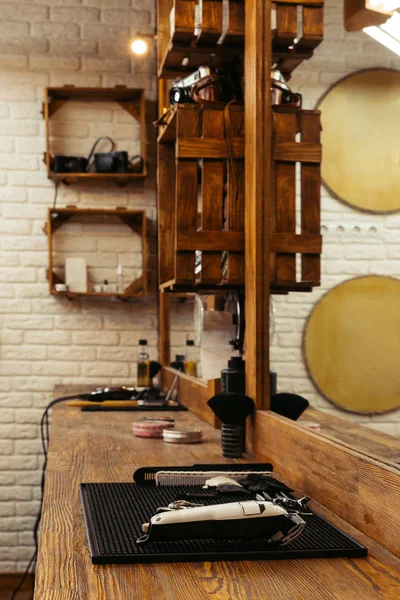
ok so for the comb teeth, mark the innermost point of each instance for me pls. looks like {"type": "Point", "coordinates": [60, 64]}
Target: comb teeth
{"type": "Point", "coordinates": [174, 478]}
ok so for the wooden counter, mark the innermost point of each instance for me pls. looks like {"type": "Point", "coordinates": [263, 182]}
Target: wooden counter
{"type": "Point", "coordinates": [99, 447]}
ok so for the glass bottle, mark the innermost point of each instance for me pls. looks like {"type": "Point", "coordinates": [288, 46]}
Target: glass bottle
{"type": "Point", "coordinates": [143, 365]}
{"type": "Point", "coordinates": [190, 363]}
{"type": "Point", "coordinates": [120, 280]}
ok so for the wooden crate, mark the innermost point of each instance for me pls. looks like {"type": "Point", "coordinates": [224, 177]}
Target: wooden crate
{"type": "Point", "coordinates": [296, 140]}
{"type": "Point", "coordinates": [189, 31]}
{"type": "Point", "coordinates": [201, 197]}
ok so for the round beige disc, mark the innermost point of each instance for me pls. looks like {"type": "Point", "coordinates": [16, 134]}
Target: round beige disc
{"type": "Point", "coordinates": [352, 345]}
{"type": "Point", "coordinates": [361, 140]}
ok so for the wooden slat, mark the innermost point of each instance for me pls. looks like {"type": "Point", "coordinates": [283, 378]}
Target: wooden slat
{"type": "Point", "coordinates": [285, 127]}
{"type": "Point", "coordinates": [298, 151]}
{"type": "Point", "coordinates": [164, 326]}
{"type": "Point", "coordinates": [291, 242]}
{"type": "Point", "coordinates": [310, 129]}
{"type": "Point", "coordinates": [257, 69]}
{"type": "Point", "coordinates": [188, 125]}
{"type": "Point", "coordinates": [211, 22]}
{"type": "Point", "coordinates": [235, 198]}
{"type": "Point", "coordinates": [286, 25]}
{"type": "Point", "coordinates": [313, 27]}
{"type": "Point", "coordinates": [191, 147]}
{"type": "Point", "coordinates": [212, 195]}
{"type": "Point", "coordinates": [183, 29]}
{"type": "Point", "coordinates": [357, 488]}
{"type": "Point", "coordinates": [166, 212]}
{"type": "Point", "coordinates": [210, 241]}
{"type": "Point", "coordinates": [234, 31]}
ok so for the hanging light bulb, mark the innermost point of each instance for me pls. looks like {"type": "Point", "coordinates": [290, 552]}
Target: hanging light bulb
{"type": "Point", "coordinates": [139, 47]}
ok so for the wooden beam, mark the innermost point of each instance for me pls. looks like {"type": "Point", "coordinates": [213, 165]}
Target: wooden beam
{"type": "Point", "coordinates": [196, 147]}
{"type": "Point", "coordinates": [362, 491]}
{"type": "Point", "coordinates": [257, 196]}
{"type": "Point", "coordinates": [210, 240]}
{"type": "Point", "coordinates": [164, 324]}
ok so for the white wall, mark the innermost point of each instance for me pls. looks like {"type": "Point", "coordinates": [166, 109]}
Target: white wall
{"type": "Point", "coordinates": [46, 340]}
{"type": "Point", "coordinates": [354, 243]}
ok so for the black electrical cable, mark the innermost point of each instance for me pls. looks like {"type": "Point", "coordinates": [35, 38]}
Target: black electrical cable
{"type": "Point", "coordinates": [44, 434]}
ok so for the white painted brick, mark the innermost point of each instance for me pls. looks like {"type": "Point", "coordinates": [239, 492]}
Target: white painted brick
{"type": "Point", "coordinates": [96, 338]}
{"type": "Point", "coordinates": [30, 322]}
{"type": "Point", "coordinates": [13, 29]}
{"type": "Point", "coordinates": [70, 130]}
{"type": "Point", "coordinates": [25, 509]}
{"type": "Point", "coordinates": [38, 384]}
{"type": "Point", "coordinates": [7, 145]}
{"type": "Point", "coordinates": [11, 337]}
{"type": "Point", "coordinates": [7, 290]}
{"type": "Point", "coordinates": [128, 323]}
{"type": "Point", "coordinates": [7, 448]}
{"type": "Point", "coordinates": [54, 62]}
{"type": "Point", "coordinates": [34, 259]}
{"type": "Point", "coordinates": [16, 274]}
{"type": "Point", "coordinates": [78, 322]}
{"type": "Point", "coordinates": [55, 30]}
{"type": "Point", "coordinates": [24, 352]}
{"type": "Point", "coordinates": [23, 45]}
{"type": "Point", "coordinates": [39, 337]}
{"type": "Point", "coordinates": [98, 31]}
{"type": "Point", "coordinates": [362, 252]}
{"type": "Point", "coordinates": [27, 179]}
{"type": "Point", "coordinates": [102, 65]}
{"type": "Point", "coordinates": [36, 290]}
{"type": "Point", "coordinates": [111, 3]}
{"type": "Point", "coordinates": [120, 354]}
{"type": "Point", "coordinates": [17, 524]}
{"type": "Point", "coordinates": [23, 12]}
{"type": "Point", "coordinates": [72, 353]}
{"type": "Point", "coordinates": [10, 494]}
{"type": "Point", "coordinates": [11, 194]}
{"type": "Point", "coordinates": [9, 258]}
{"type": "Point", "coordinates": [104, 369]}
{"type": "Point", "coordinates": [13, 61]}
{"type": "Point", "coordinates": [18, 129]}
{"type": "Point", "coordinates": [74, 78]}
{"type": "Point", "coordinates": [8, 539]}
{"type": "Point", "coordinates": [10, 367]}
{"type": "Point", "coordinates": [52, 367]}
{"type": "Point", "coordinates": [16, 306]}
{"type": "Point", "coordinates": [73, 48]}
{"type": "Point", "coordinates": [18, 432]}
{"type": "Point", "coordinates": [74, 14]}
{"type": "Point", "coordinates": [122, 17]}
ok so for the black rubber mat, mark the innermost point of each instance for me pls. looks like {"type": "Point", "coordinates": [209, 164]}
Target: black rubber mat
{"type": "Point", "coordinates": [114, 513]}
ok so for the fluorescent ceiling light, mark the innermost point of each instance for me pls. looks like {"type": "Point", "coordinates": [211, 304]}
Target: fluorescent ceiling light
{"type": "Point", "coordinates": [385, 6]}
{"type": "Point", "coordinates": [378, 34]}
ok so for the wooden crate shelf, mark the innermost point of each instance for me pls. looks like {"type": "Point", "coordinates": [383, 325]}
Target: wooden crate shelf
{"type": "Point", "coordinates": [132, 100]}
{"type": "Point", "coordinates": [286, 243]}
{"type": "Point", "coordinates": [200, 165]}
{"type": "Point", "coordinates": [187, 38]}
{"type": "Point", "coordinates": [135, 219]}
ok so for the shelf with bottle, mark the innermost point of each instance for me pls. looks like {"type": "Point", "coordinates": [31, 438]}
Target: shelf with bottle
{"type": "Point", "coordinates": [122, 290]}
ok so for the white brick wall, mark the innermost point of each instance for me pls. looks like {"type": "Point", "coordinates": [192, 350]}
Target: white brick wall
{"type": "Point", "coordinates": [46, 340]}
{"type": "Point", "coordinates": [355, 243]}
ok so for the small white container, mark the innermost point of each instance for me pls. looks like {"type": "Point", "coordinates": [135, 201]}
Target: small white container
{"type": "Point", "coordinates": [76, 274]}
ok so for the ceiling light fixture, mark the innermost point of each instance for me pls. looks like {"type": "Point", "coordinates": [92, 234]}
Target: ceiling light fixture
{"type": "Point", "coordinates": [387, 34]}
{"type": "Point", "coordinates": [139, 47]}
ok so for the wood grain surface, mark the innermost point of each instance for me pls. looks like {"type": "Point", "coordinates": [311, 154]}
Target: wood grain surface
{"type": "Point", "coordinates": [99, 447]}
{"type": "Point", "coordinates": [374, 444]}
{"type": "Point", "coordinates": [363, 491]}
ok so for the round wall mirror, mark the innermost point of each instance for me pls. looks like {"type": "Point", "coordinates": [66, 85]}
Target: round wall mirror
{"type": "Point", "coordinates": [361, 140]}
{"type": "Point", "coordinates": [352, 345]}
